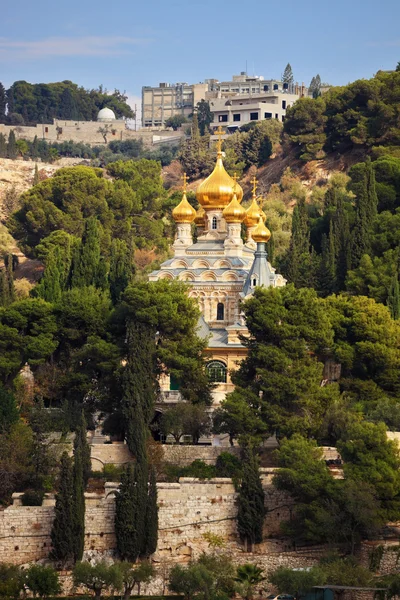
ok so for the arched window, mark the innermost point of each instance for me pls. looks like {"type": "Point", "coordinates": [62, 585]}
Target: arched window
{"type": "Point", "coordinates": [217, 371]}
{"type": "Point", "coordinates": [220, 311]}
{"type": "Point", "coordinates": [254, 281]}
{"type": "Point", "coordinates": [214, 223]}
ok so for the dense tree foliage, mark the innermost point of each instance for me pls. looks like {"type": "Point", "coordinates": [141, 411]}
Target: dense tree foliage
{"type": "Point", "coordinates": [29, 104]}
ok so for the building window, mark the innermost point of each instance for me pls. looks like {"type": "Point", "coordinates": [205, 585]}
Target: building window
{"type": "Point", "coordinates": [217, 371]}
{"type": "Point", "coordinates": [223, 118]}
{"type": "Point", "coordinates": [236, 117]}
{"type": "Point", "coordinates": [254, 283]}
{"type": "Point", "coordinates": [46, 130]}
{"type": "Point", "coordinates": [285, 86]}
{"type": "Point", "coordinates": [283, 118]}
{"type": "Point", "coordinates": [220, 311]}
{"type": "Point", "coordinates": [267, 115]}
{"type": "Point", "coordinates": [284, 104]}
{"type": "Point", "coordinates": [254, 116]}
{"type": "Point", "coordinates": [276, 116]}
{"type": "Point", "coordinates": [276, 86]}
{"type": "Point", "coordinates": [174, 384]}
{"type": "Point", "coordinates": [214, 223]}
{"type": "Point", "coordinates": [266, 88]}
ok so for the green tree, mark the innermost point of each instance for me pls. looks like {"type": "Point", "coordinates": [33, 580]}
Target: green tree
{"type": "Point", "coordinates": [81, 446]}
{"type": "Point", "coordinates": [3, 104]}
{"type": "Point", "coordinates": [121, 269]}
{"type": "Point", "coordinates": [9, 414]}
{"type": "Point", "coordinates": [78, 522]}
{"type": "Point", "coordinates": [12, 580]}
{"type": "Point", "coordinates": [42, 581]}
{"type": "Point", "coordinates": [12, 151]}
{"type": "Point", "coordinates": [305, 125]}
{"type": "Point", "coordinates": [175, 122]}
{"type": "Point", "coordinates": [287, 76]}
{"type": "Point", "coordinates": [88, 267]}
{"type": "Point", "coordinates": [126, 515]}
{"type": "Point", "coordinates": [62, 533]}
{"type": "Point", "coordinates": [134, 576]}
{"type": "Point", "coordinates": [49, 287]}
{"type": "Point", "coordinates": [98, 577]}
{"type": "Point", "coordinates": [3, 146]}
{"type": "Point", "coordinates": [36, 178]}
{"type": "Point", "coordinates": [151, 529]}
{"type": "Point", "coordinates": [191, 581]}
{"type": "Point", "coordinates": [249, 575]}
{"type": "Point", "coordinates": [315, 86]}
{"type": "Point", "coordinates": [251, 511]}
{"type": "Point", "coordinates": [239, 418]}
{"type": "Point", "coordinates": [204, 116]}
{"type": "Point", "coordinates": [296, 582]}
{"type": "Point", "coordinates": [393, 300]}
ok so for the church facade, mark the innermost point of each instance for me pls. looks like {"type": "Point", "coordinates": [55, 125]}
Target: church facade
{"type": "Point", "coordinates": [219, 267]}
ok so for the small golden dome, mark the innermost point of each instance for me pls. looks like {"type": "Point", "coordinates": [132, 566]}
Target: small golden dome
{"type": "Point", "coordinates": [253, 214]}
{"type": "Point", "coordinates": [234, 213]}
{"type": "Point", "coordinates": [184, 212]}
{"type": "Point", "coordinates": [261, 234]}
{"type": "Point", "coordinates": [200, 214]}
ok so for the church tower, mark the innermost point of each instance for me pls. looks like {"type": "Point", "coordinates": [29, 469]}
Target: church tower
{"type": "Point", "coordinates": [220, 268]}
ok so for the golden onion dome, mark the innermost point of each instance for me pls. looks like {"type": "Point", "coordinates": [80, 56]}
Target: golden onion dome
{"type": "Point", "coordinates": [253, 214]}
{"type": "Point", "coordinates": [261, 234]}
{"type": "Point", "coordinates": [234, 213]}
{"type": "Point", "coordinates": [200, 214]}
{"type": "Point", "coordinates": [184, 212]}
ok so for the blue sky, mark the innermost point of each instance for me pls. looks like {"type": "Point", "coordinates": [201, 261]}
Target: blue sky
{"type": "Point", "coordinates": [125, 44]}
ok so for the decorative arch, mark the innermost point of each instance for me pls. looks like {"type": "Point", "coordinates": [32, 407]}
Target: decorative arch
{"type": "Point", "coordinates": [200, 264]}
{"type": "Point", "coordinates": [230, 276]}
{"type": "Point", "coordinates": [222, 264]}
{"type": "Point", "coordinates": [220, 311]}
{"type": "Point", "coordinates": [165, 275]}
{"type": "Point", "coordinates": [208, 276]}
{"type": "Point", "coordinates": [179, 264]}
{"type": "Point", "coordinates": [186, 276]}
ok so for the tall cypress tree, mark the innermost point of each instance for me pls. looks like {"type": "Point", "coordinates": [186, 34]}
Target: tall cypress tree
{"type": "Point", "coordinates": [341, 229]}
{"type": "Point", "coordinates": [299, 260]}
{"type": "Point", "coordinates": [62, 534]}
{"type": "Point", "coordinates": [251, 511]}
{"type": "Point", "coordinates": [327, 270]}
{"type": "Point", "coordinates": [9, 278]}
{"type": "Point", "coordinates": [49, 287]}
{"type": "Point", "coordinates": [78, 523]}
{"type": "Point", "coordinates": [89, 268]}
{"type": "Point", "coordinates": [35, 148]}
{"type": "Point", "coordinates": [12, 150]}
{"type": "Point", "coordinates": [36, 178]}
{"type": "Point", "coordinates": [393, 300]}
{"type": "Point", "coordinates": [81, 445]}
{"type": "Point", "coordinates": [3, 146]}
{"type": "Point", "coordinates": [366, 209]}
{"type": "Point", "coordinates": [125, 516]}
{"type": "Point", "coordinates": [120, 272]}
{"type": "Point", "coordinates": [3, 103]}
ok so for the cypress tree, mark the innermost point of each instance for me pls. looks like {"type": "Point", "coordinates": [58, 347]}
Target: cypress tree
{"type": "Point", "coordinates": [10, 101]}
{"type": "Point", "coordinates": [35, 148]}
{"type": "Point", "coordinates": [366, 210]}
{"type": "Point", "coordinates": [3, 104]}
{"type": "Point", "coordinates": [343, 244]}
{"type": "Point", "coordinates": [78, 522]}
{"type": "Point", "coordinates": [81, 445]}
{"type": "Point", "coordinates": [9, 278]}
{"type": "Point", "coordinates": [151, 516]}
{"type": "Point", "coordinates": [393, 300]}
{"type": "Point", "coordinates": [36, 178]}
{"type": "Point", "coordinates": [4, 292]}
{"type": "Point", "coordinates": [250, 518]}
{"type": "Point", "coordinates": [3, 146]}
{"type": "Point", "coordinates": [300, 264]}
{"type": "Point", "coordinates": [62, 534]}
{"type": "Point", "coordinates": [139, 387]}
{"type": "Point", "coordinates": [12, 150]}
{"type": "Point", "coordinates": [49, 287]}
{"type": "Point", "coordinates": [120, 269]}
{"type": "Point", "coordinates": [327, 270]}
{"type": "Point", "coordinates": [125, 516]}
{"type": "Point", "coordinates": [88, 266]}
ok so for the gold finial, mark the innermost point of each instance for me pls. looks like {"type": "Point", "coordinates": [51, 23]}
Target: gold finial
{"type": "Point", "coordinates": [219, 132]}
{"type": "Point", "coordinates": [235, 177]}
{"type": "Point", "coordinates": [184, 177]}
{"type": "Point", "coordinates": [254, 182]}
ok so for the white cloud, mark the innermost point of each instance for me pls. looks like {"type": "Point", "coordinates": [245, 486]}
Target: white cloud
{"type": "Point", "coordinates": [68, 46]}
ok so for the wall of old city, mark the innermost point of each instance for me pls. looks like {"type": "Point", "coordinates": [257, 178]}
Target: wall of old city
{"type": "Point", "coordinates": [187, 510]}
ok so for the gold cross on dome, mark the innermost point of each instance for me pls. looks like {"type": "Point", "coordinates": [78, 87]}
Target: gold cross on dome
{"type": "Point", "coordinates": [219, 132]}
{"type": "Point", "coordinates": [254, 182]}
{"type": "Point", "coordinates": [235, 177]}
{"type": "Point", "coordinates": [184, 177]}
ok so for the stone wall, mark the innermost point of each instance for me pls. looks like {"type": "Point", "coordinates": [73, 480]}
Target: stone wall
{"type": "Point", "coordinates": [116, 453]}
{"type": "Point", "coordinates": [187, 510]}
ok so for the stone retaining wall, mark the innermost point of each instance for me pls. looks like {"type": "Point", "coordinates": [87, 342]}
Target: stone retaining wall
{"type": "Point", "coordinates": [187, 510]}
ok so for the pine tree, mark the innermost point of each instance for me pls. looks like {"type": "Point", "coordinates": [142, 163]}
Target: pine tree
{"type": "Point", "coordinates": [125, 516]}
{"type": "Point", "coordinates": [251, 511]}
{"type": "Point", "coordinates": [315, 86]}
{"type": "Point", "coordinates": [88, 268]}
{"type": "Point", "coordinates": [62, 535]}
{"type": "Point", "coordinates": [3, 103]}
{"type": "Point", "coordinates": [195, 128]}
{"type": "Point", "coordinates": [81, 445]}
{"type": "Point", "coordinates": [12, 150]}
{"type": "Point", "coordinates": [393, 300]}
{"type": "Point", "coordinates": [120, 272]}
{"type": "Point", "coordinates": [287, 76]}
{"type": "Point", "coordinates": [151, 516]}
{"type": "Point", "coordinates": [3, 146]}
{"type": "Point", "coordinates": [49, 287]}
{"type": "Point", "coordinates": [36, 178]}
{"type": "Point", "coordinates": [78, 522]}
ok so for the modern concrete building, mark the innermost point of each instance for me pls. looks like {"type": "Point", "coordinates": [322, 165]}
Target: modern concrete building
{"type": "Point", "coordinates": [167, 100]}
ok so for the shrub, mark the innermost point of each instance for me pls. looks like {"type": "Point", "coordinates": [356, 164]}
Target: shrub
{"type": "Point", "coordinates": [32, 498]}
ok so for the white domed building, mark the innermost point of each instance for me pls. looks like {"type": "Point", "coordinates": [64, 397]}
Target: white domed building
{"type": "Point", "coordinates": [106, 115]}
